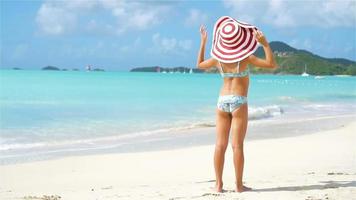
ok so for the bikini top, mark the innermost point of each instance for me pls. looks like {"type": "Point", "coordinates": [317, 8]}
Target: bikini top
{"type": "Point", "coordinates": [244, 73]}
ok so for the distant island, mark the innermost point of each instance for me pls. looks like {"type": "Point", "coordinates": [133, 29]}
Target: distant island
{"type": "Point", "coordinates": [289, 59]}
{"type": "Point", "coordinates": [52, 68]}
{"type": "Point", "coordinates": [166, 69]}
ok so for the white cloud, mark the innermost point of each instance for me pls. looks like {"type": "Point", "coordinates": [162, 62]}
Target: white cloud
{"type": "Point", "coordinates": [60, 17]}
{"type": "Point", "coordinates": [138, 15]}
{"type": "Point", "coordinates": [169, 45]}
{"type": "Point", "coordinates": [55, 20]}
{"type": "Point", "coordinates": [164, 44]}
{"type": "Point", "coordinates": [295, 13]}
{"type": "Point", "coordinates": [196, 17]}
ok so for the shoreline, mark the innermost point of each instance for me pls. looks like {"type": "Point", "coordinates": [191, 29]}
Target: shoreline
{"type": "Point", "coordinates": [300, 167]}
{"type": "Point", "coordinates": [190, 137]}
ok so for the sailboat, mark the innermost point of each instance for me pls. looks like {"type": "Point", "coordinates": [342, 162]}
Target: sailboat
{"type": "Point", "coordinates": [88, 68]}
{"type": "Point", "coordinates": [305, 71]}
{"type": "Point", "coordinates": [191, 71]}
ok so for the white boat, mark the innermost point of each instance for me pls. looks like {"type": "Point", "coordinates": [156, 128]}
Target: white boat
{"type": "Point", "coordinates": [319, 77]}
{"type": "Point", "coordinates": [305, 71]}
{"type": "Point", "coordinates": [88, 68]}
{"type": "Point", "coordinates": [191, 71]}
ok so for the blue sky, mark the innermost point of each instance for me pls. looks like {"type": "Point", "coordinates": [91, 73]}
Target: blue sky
{"type": "Point", "coordinates": [119, 35]}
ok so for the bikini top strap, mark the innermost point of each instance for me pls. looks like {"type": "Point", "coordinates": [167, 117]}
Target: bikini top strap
{"type": "Point", "coordinates": [221, 67]}
{"type": "Point", "coordinates": [222, 71]}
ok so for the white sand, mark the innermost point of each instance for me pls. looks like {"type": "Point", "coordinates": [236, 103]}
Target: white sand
{"type": "Point", "coordinates": [315, 166]}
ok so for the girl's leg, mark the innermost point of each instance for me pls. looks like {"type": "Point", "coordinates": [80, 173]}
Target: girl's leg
{"type": "Point", "coordinates": [239, 127]}
{"type": "Point", "coordinates": [223, 124]}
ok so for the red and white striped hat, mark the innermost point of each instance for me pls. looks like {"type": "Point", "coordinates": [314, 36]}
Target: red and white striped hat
{"type": "Point", "coordinates": [233, 40]}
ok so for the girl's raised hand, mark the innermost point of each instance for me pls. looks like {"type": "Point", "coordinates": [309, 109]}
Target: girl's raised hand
{"type": "Point", "coordinates": [203, 34]}
{"type": "Point", "coordinates": [260, 37]}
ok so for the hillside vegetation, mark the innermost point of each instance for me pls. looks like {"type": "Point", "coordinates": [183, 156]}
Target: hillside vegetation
{"type": "Point", "coordinates": [293, 61]}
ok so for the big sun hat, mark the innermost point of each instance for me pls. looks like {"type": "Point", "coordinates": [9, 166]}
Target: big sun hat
{"type": "Point", "coordinates": [233, 40]}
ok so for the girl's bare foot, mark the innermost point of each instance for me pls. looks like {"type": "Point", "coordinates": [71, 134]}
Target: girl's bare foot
{"type": "Point", "coordinates": [243, 189]}
{"type": "Point", "coordinates": [218, 188]}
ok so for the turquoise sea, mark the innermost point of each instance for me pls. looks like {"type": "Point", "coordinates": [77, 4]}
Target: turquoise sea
{"type": "Point", "coordinates": [42, 112]}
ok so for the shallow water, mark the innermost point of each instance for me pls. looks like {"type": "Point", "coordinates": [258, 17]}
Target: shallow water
{"type": "Point", "coordinates": [42, 110]}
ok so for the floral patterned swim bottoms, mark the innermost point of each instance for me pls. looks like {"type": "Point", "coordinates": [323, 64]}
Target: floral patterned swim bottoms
{"type": "Point", "coordinates": [229, 103]}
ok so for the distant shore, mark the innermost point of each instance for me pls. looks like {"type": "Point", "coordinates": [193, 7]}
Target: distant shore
{"type": "Point", "coordinates": [289, 59]}
{"type": "Point", "coordinates": [174, 70]}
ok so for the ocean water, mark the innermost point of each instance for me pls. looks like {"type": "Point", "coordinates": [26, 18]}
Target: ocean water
{"type": "Point", "coordinates": [65, 111]}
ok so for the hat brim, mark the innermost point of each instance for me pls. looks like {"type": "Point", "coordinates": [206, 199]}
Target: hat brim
{"type": "Point", "coordinates": [245, 45]}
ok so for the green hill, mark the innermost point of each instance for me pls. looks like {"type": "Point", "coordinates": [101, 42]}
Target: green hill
{"type": "Point", "coordinates": [292, 61]}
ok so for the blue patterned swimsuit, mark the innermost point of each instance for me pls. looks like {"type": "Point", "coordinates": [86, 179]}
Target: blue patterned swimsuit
{"type": "Point", "coordinates": [229, 103]}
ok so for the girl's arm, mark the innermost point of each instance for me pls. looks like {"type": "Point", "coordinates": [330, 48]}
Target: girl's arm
{"type": "Point", "coordinates": [201, 63]}
{"type": "Point", "coordinates": [269, 61]}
